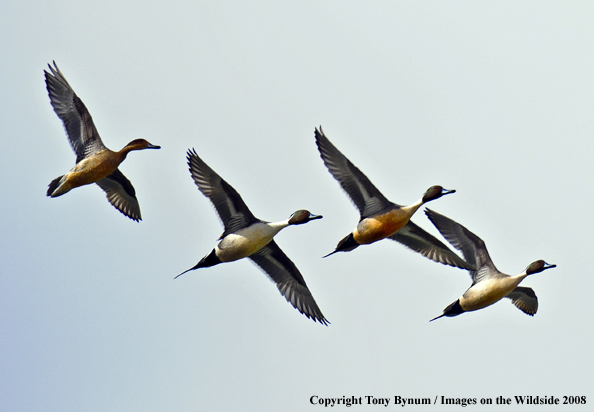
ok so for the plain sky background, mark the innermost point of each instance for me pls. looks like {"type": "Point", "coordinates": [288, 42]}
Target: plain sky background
{"type": "Point", "coordinates": [493, 99]}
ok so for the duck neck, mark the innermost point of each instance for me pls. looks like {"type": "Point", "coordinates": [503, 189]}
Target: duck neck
{"type": "Point", "coordinates": [411, 209]}
{"type": "Point", "coordinates": [278, 226]}
{"type": "Point", "coordinates": [520, 277]}
{"type": "Point", "coordinates": [127, 149]}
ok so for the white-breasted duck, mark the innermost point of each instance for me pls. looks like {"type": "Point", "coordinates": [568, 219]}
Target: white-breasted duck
{"type": "Point", "coordinates": [489, 285]}
{"type": "Point", "coordinates": [247, 236]}
{"type": "Point", "coordinates": [381, 218]}
{"type": "Point", "coordinates": [95, 163]}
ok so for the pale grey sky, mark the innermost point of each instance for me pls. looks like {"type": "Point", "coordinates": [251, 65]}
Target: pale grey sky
{"type": "Point", "coordinates": [493, 99]}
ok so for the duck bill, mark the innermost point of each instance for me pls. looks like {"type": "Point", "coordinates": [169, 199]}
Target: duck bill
{"type": "Point", "coordinates": [549, 266]}
{"type": "Point", "coordinates": [314, 217]}
{"type": "Point", "coordinates": [447, 192]}
{"type": "Point", "coordinates": [153, 146]}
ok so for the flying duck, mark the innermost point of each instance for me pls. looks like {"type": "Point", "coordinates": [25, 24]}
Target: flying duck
{"type": "Point", "coordinates": [381, 218]}
{"type": "Point", "coordinates": [489, 285]}
{"type": "Point", "coordinates": [247, 236]}
{"type": "Point", "coordinates": [95, 163]}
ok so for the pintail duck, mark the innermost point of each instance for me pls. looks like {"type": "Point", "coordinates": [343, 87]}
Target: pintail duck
{"type": "Point", "coordinates": [95, 163]}
{"type": "Point", "coordinates": [489, 285]}
{"type": "Point", "coordinates": [247, 236]}
{"type": "Point", "coordinates": [381, 218]}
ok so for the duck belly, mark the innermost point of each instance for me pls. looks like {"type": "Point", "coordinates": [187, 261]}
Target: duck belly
{"type": "Point", "coordinates": [244, 242]}
{"type": "Point", "coordinates": [91, 170]}
{"type": "Point", "coordinates": [486, 293]}
{"type": "Point", "coordinates": [379, 227]}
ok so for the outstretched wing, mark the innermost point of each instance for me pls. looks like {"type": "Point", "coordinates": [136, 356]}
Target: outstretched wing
{"type": "Point", "coordinates": [357, 186]}
{"type": "Point", "coordinates": [272, 260]}
{"type": "Point", "coordinates": [121, 194]}
{"type": "Point", "coordinates": [429, 246]}
{"type": "Point", "coordinates": [525, 299]}
{"type": "Point", "coordinates": [472, 247]}
{"type": "Point", "coordinates": [82, 134]}
{"type": "Point", "coordinates": [231, 208]}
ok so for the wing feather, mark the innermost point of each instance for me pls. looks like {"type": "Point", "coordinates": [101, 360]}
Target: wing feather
{"type": "Point", "coordinates": [524, 299]}
{"type": "Point", "coordinates": [121, 194]}
{"type": "Point", "coordinates": [81, 131]}
{"type": "Point", "coordinates": [229, 205]}
{"type": "Point", "coordinates": [289, 281]}
{"type": "Point", "coordinates": [368, 199]}
{"type": "Point", "coordinates": [429, 246]}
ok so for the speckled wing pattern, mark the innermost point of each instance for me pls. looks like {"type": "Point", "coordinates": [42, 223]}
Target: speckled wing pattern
{"type": "Point", "coordinates": [81, 131]}
{"type": "Point", "coordinates": [357, 186]}
{"type": "Point", "coordinates": [417, 239]}
{"type": "Point", "coordinates": [525, 299]}
{"type": "Point", "coordinates": [229, 205]}
{"type": "Point", "coordinates": [472, 247]}
{"type": "Point", "coordinates": [273, 261]}
{"type": "Point", "coordinates": [121, 194]}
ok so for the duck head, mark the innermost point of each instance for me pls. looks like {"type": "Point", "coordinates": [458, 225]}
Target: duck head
{"type": "Point", "coordinates": [538, 266]}
{"type": "Point", "coordinates": [302, 216]}
{"type": "Point", "coordinates": [141, 144]}
{"type": "Point", "coordinates": [435, 192]}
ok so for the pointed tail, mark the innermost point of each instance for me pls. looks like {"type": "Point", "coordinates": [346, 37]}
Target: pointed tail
{"type": "Point", "coordinates": [207, 261]}
{"type": "Point", "coordinates": [53, 186]}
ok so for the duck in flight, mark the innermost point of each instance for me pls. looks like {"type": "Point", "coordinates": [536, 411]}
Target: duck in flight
{"type": "Point", "coordinates": [489, 285]}
{"type": "Point", "coordinates": [247, 236]}
{"type": "Point", "coordinates": [95, 163]}
{"type": "Point", "coordinates": [381, 218]}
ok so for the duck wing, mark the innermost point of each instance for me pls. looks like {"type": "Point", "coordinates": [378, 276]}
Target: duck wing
{"type": "Point", "coordinates": [81, 131]}
{"type": "Point", "coordinates": [429, 246]}
{"type": "Point", "coordinates": [357, 186]}
{"type": "Point", "coordinates": [472, 247]}
{"type": "Point", "coordinates": [231, 208]}
{"type": "Point", "coordinates": [121, 194]}
{"type": "Point", "coordinates": [273, 261]}
{"type": "Point", "coordinates": [525, 299]}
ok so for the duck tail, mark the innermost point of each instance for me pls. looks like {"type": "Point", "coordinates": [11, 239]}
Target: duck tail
{"type": "Point", "coordinates": [454, 309]}
{"type": "Point", "coordinates": [347, 244]}
{"type": "Point", "coordinates": [53, 186]}
{"type": "Point", "coordinates": [207, 261]}
{"type": "Point", "coordinates": [437, 317]}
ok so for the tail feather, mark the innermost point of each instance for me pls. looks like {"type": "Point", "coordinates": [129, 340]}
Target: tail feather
{"type": "Point", "coordinates": [347, 244]}
{"type": "Point", "coordinates": [453, 309]}
{"type": "Point", "coordinates": [54, 185]}
{"type": "Point", "coordinates": [207, 261]}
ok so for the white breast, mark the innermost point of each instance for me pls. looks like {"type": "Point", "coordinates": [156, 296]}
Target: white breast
{"type": "Point", "coordinates": [487, 292]}
{"type": "Point", "coordinates": [246, 242]}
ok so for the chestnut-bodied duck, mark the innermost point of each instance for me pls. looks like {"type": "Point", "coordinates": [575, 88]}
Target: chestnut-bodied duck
{"type": "Point", "coordinates": [247, 236]}
{"type": "Point", "coordinates": [489, 285]}
{"type": "Point", "coordinates": [381, 218]}
{"type": "Point", "coordinates": [95, 163]}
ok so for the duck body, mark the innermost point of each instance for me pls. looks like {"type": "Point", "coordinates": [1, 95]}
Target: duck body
{"type": "Point", "coordinates": [95, 163]}
{"type": "Point", "coordinates": [384, 224]}
{"type": "Point", "coordinates": [94, 168]}
{"type": "Point", "coordinates": [379, 217]}
{"type": "Point", "coordinates": [246, 236]}
{"type": "Point", "coordinates": [89, 170]}
{"type": "Point", "coordinates": [247, 241]}
{"type": "Point", "coordinates": [488, 292]}
{"type": "Point", "coordinates": [489, 285]}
